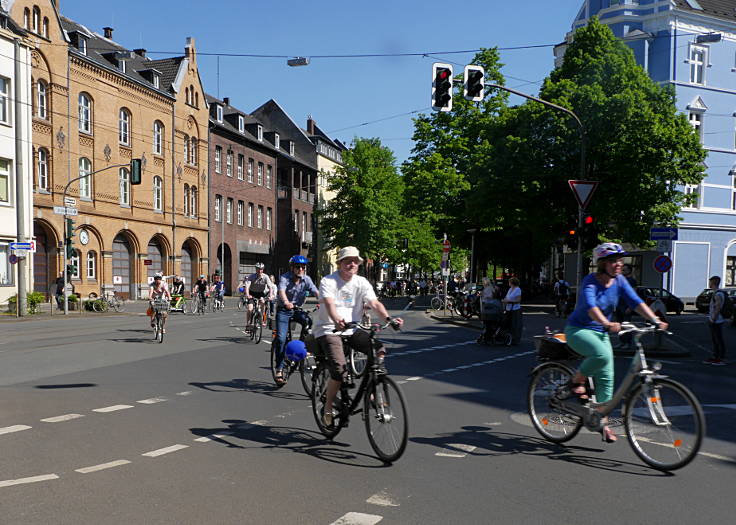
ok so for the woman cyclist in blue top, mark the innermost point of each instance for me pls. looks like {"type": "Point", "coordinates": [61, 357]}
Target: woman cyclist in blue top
{"type": "Point", "coordinates": [589, 325]}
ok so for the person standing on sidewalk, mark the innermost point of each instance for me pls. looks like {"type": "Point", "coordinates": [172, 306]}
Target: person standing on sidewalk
{"type": "Point", "coordinates": [512, 305]}
{"type": "Point", "coordinates": [715, 323]}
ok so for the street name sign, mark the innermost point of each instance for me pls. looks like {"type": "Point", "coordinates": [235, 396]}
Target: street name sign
{"type": "Point", "coordinates": [663, 234]}
{"type": "Point", "coordinates": [65, 210]}
{"type": "Point", "coordinates": [70, 201]}
{"type": "Point", "coordinates": [583, 190]}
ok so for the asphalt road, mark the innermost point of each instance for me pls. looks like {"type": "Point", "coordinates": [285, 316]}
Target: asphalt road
{"type": "Point", "coordinates": [99, 424]}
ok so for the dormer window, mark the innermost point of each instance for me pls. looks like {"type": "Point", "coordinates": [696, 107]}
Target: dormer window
{"type": "Point", "coordinates": [241, 123]}
{"type": "Point", "coordinates": [260, 133]}
{"type": "Point", "coordinates": [82, 44]}
{"type": "Point", "coordinates": [291, 148]}
{"type": "Point", "coordinates": [277, 141]}
{"type": "Point", "coordinates": [156, 81]}
{"type": "Point", "coordinates": [122, 66]}
{"type": "Point", "coordinates": [219, 113]}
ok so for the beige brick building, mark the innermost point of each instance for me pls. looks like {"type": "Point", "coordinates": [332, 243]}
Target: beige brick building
{"type": "Point", "coordinates": [97, 105]}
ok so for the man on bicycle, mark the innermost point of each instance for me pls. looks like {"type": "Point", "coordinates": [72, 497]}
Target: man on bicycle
{"type": "Point", "coordinates": [257, 286]}
{"type": "Point", "coordinates": [344, 294]}
{"type": "Point", "coordinates": [201, 287]}
{"type": "Point", "coordinates": [218, 290]}
{"type": "Point", "coordinates": [158, 290]}
{"type": "Point", "coordinates": [292, 291]}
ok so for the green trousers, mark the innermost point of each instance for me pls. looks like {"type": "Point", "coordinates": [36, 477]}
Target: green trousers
{"type": "Point", "coordinates": [598, 363]}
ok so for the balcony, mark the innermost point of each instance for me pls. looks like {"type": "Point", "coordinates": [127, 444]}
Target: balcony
{"type": "Point", "coordinates": [282, 192]}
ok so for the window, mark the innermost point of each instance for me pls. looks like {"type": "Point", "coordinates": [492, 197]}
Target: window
{"type": "Point", "coordinates": [4, 182]}
{"type": "Point", "coordinates": [45, 27]}
{"type": "Point", "coordinates": [229, 211]}
{"type": "Point", "coordinates": [122, 66]}
{"type": "Point", "coordinates": [241, 206]}
{"type": "Point", "coordinates": [269, 175]}
{"type": "Point", "coordinates": [229, 164]}
{"type": "Point", "coordinates": [156, 81]}
{"type": "Point", "coordinates": [186, 200]}
{"type": "Point", "coordinates": [250, 214]}
{"type": "Point", "coordinates": [196, 100]}
{"type": "Point", "coordinates": [124, 127]}
{"type": "Point", "coordinates": [85, 113]}
{"type": "Point", "coordinates": [259, 217]}
{"type": "Point", "coordinates": [260, 133]}
{"type": "Point", "coordinates": [193, 203]}
{"type": "Point", "coordinates": [187, 98]}
{"type": "Point", "coordinates": [85, 184]}
{"type": "Point", "coordinates": [218, 208]}
{"type": "Point", "coordinates": [91, 265]}
{"type": "Point", "coordinates": [26, 18]}
{"type": "Point", "coordinates": [698, 58]}
{"type": "Point", "coordinates": [158, 193]}
{"type": "Point", "coordinates": [41, 102]}
{"type": "Point", "coordinates": [218, 159]}
{"type": "Point", "coordinates": [158, 137]}
{"type": "Point", "coordinates": [291, 148]}
{"type": "Point", "coordinates": [296, 221]}
{"type": "Point", "coordinates": [304, 222]}
{"type": "Point", "coordinates": [7, 270]}
{"type": "Point", "coordinates": [733, 193]}
{"type": "Point", "coordinates": [241, 123]}
{"type": "Point", "coordinates": [693, 189]}
{"type": "Point", "coordinates": [36, 19]}
{"type": "Point", "coordinates": [193, 151]}
{"type": "Point", "coordinates": [124, 187]}
{"type": "Point", "coordinates": [82, 44]}
{"type": "Point", "coordinates": [277, 141]}
{"type": "Point", "coordinates": [241, 162]}
{"type": "Point", "coordinates": [219, 113]}
{"type": "Point", "coordinates": [260, 173]}
{"type": "Point", "coordinates": [269, 218]}
{"type": "Point", "coordinates": [250, 170]}
{"type": "Point", "coordinates": [4, 106]}
{"type": "Point", "coordinates": [186, 148]}
{"type": "Point", "coordinates": [43, 169]}
{"type": "Point", "coordinates": [696, 121]}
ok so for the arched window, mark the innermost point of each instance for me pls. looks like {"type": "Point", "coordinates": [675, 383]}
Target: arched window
{"type": "Point", "coordinates": [91, 265]}
{"type": "Point", "coordinates": [45, 28]}
{"type": "Point", "coordinates": [196, 100]}
{"type": "Point", "coordinates": [26, 18]}
{"type": "Point", "coordinates": [158, 137]}
{"type": "Point", "coordinates": [158, 193]}
{"type": "Point", "coordinates": [193, 152]}
{"type": "Point", "coordinates": [186, 200]}
{"type": "Point", "coordinates": [36, 19]}
{"type": "Point", "coordinates": [193, 203]}
{"type": "Point", "coordinates": [186, 95]}
{"type": "Point", "coordinates": [85, 183]}
{"type": "Point", "coordinates": [124, 187]}
{"type": "Point", "coordinates": [42, 101]}
{"type": "Point", "coordinates": [43, 169]}
{"type": "Point", "coordinates": [85, 113]}
{"type": "Point", "coordinates": [124, 127]}
{"type": "Point", "coordinates": [186, 148]}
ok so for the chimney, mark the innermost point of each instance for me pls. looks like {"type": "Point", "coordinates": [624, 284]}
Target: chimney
{"type": "Point", "coordinates": [108, 32]}
{"type": "Point", "coordinates": [226, 100]}
{"type": "Point", "coordinates": [140, 52]}
{"type": "Point", "coordinates": [310, 125]}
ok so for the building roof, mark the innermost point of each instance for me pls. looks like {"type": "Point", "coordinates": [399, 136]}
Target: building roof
{"type": "Point", "coordinates": [227, 110]}
{"type": "Point", "coordinates": [11, 24]}
{"type": "Point", "coordinates": [725, 9]}
{"type": "Point", "coordinates": [276, 119]}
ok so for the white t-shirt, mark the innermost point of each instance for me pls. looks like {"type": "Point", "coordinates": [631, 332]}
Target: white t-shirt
{"type": "Point", "coordinates": [349, 297]}
{"type": "Point", "coordinates": [512, 295]}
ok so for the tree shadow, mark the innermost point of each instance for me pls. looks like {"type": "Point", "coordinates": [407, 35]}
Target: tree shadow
{"type": "Point", "coordinates": [249, 385]}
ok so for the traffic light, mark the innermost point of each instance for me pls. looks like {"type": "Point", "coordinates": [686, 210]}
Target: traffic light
{"type": "Point", "coordinates": [69, 237]}
{"type": "Point", "coordinates": [473, 84]}
{"type": "Point", "coordinates": [589, 231]}
{"type": "Point", "coordinates": [135, 171]}
{"type": "Point", "coordinates": [441, 87]}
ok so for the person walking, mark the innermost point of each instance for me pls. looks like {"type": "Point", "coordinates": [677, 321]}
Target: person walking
{"type": "Point", "coordinates": [512, 304]}
{"type": "Point", "coordinates": [715, 323]}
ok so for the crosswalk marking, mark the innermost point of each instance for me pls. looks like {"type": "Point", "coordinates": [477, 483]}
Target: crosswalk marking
{"type": "Point", "coordinates": [451, 452]}
{"type": "Point", "coordinates": [357, 518]}
{"type": "Point", "coordinates": [151, 401]}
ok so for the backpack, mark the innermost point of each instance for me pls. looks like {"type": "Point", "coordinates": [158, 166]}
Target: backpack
{"type": "Point", "coordinates": [562, 289]}
{"type": "Point", "coordinates": [727, 306]}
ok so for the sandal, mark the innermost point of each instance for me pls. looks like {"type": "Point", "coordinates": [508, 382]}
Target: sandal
{"type": "Point", "coordinates": [327, 419]}
{"type": "Point", "coordinates": [279, 377]}
{"type": "Point", "coordinates": [575, 390]}
{"type": "Point", "coordinates": [608, 435]}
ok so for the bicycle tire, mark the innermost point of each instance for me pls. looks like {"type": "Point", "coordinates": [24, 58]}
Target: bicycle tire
{"type": "Point", "coordinates": [100, 305]}
{"type": "Point", "coordinates": [552, 424]}
{"type": "Point", "coordinates": [241, 303]}
{"type": "Point", "coordinates": [160, 328]}
{"type": "Point", "coordinates": [320, 378]}
{"type": "Point", "coordinates": [155, 330]}
{"type": "Point", "coordinates": [386, 418]}
{"type": "Point", "coordinates": [117, 304]}
{"type": "Point", "coordinates": [305, 372]}
{"type": "Point", "coordinates": [435, 303]}
{"type": "Point", "coordinates": [257, 325]}
{"type": "Point", "coordinates": [357, 361]}
{"type": "Point", "coordinates": [664, 446]}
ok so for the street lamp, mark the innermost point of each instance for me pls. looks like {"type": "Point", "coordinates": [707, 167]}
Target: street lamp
{"type": "Point", "coordinates": [472, 231]}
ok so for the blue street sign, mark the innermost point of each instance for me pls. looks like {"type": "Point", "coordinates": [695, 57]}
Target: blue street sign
{"type": "Point", "coordinates": [385, 265]}
{"type": "Point", "coordinates": [21, 246]}
{"type": "Point", "coordinates": [663, 234]}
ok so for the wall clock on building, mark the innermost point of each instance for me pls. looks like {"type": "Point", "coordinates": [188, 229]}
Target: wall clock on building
{"type": "Point", "coordinates": [84, 237]}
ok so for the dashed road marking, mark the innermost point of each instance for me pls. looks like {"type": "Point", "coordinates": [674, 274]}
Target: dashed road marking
{"type": "Point", "coordinates": [14, 428]}
{"type": "Point", "coordinates": [113, 408]}
{"type": "Point", "coordinates": [357, 518]}
{"type": "Point", "coordinates": [33, 479]}
{"type": "Point", "coordinates": [151, 401]}
{"type": "Point", "coordinates": [59, 419]}
{"type": "Point", "coordinates": [450, 452]}
{"type": "Point", "coordinates": [165, 450]}
{"type": "Point", "coordinates": [211, 437]}
{"type": "Point", "coordinates": [185, 393]}
{"type": "Point", "coordinates": [415, 378]}
{"type": "Point", "coordinates": [103, 466]}
{"type": "Point", "coordinates": [382, 499]}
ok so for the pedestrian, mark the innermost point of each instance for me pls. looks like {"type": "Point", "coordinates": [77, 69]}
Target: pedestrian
{"type": "Point", "coordinates": [60, 291]}
{"type": "Point", "coordinates": [512, 304]}
{"type": "Point", "coordinates": [715, 323]}
{"type": "Point", "coordinates": [491, 311]}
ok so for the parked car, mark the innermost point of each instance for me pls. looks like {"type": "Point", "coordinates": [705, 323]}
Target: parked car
{"type": "Point", "coordinates": [702, 301]}
{"type": "Point", "coordinates": [672, 303]}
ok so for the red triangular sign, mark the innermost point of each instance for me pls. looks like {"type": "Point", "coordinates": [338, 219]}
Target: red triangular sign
{"type": "Point", "coordinates": [583, 190]}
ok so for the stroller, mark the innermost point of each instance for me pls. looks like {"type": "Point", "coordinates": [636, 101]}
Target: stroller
{"type": "Point", "coordinates": [496, 324]}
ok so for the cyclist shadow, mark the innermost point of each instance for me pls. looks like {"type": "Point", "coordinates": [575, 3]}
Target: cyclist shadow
{"type": "Point", "coordinates": [248, 385]}
{"type": "Point", "coordinates": [224, 339]}
{"type": "Point", "coordinates": [240, 434]}
{"type": "Point", "coordinates": [486, 442]}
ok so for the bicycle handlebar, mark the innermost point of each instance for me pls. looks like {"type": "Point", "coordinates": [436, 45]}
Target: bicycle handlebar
{"type": "Point", "coordinates": [641, 330]}
{"type": "Point", "coordinates": [377, 327]}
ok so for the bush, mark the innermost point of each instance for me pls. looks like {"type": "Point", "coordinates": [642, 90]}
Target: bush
{"type": "Point", "coordinates": [33, 299]}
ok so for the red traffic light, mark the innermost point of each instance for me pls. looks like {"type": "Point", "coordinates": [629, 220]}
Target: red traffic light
{"type": "Point", "coordinates": [588, 219]}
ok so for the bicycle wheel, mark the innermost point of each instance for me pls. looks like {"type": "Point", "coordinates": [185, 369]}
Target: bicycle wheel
{"type": "Point", "coordinates": [117, 304]}
{"type": "Point", "coordinates": [100, 305]}
{"type": "Point", "coordinates": [553, 424]}
{"type": "Point", "coordinates": [257, 324]}
{"type": "Point", "coordinates": [386, 418]}
{"type": "Point", "coordinates": [664, 423]}
{"type": "Point", "coordinates": [155, 329]}
{"type": "Point", "coordinates": [357, 362]}
{"type": "Point", "coordinates": [436, 303]}
{"type": "Point", "coordinates": [159, 328]}
{"type": "Point", "coordinates": [241, 303]}
{"type": "Point", "coordinates": [252, 324]}
{"type": "Point", "coordinates": [320, 378]}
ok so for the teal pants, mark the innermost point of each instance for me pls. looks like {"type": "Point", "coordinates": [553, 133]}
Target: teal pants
{"type": "Point", "coordinates": [598, 363]}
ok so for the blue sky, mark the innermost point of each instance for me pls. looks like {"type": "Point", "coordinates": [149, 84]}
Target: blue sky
{"type": "Point", "coordinates": [338, 92]}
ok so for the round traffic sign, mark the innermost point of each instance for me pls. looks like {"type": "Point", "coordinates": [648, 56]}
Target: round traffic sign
{"type": "Point", "coordinates": [662, 264]}
{"type": "Point", "coordinates": [12, 258]}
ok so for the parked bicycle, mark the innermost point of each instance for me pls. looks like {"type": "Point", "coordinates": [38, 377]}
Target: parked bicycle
{"type": "Point", "coordinates": [663, 420]}
{"type": "Point", "coordinates": [442, 302]}
{"type": "Point", "coordinates": [161, 309]}
{"type": "Point", "coordinates": [110, 300]}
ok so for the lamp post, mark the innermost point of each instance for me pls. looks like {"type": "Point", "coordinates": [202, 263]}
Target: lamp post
{"type": "Point", "coordinates": [472, 231]}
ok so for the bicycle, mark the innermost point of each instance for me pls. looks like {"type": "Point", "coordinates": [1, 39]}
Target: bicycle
{"type": "Point", "coordinates": [242, 301]}
{"type": "Point", "coordinates": [160, 307]}
{"type": "Point", "coordinates": [305, 366]}
{"type": "Point", "coordinates": [110, 300]}
{"type": "Point", "coordinates": [255, 326]}
{"type": "Point", "coordinates": [663, 420]}
{"type": "Point", "coordinates": [217, 304]}
{"type": "Point", "coordinates": [179, 303]}
{"type": "Point", "coordinates": [441, 302]}
{"type": "Point", "coordinates": [384, 408]}
{"type": "Point", "coordinates": [198, 304]}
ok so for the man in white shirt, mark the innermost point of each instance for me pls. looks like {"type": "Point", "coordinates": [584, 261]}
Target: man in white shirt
{"type": "Point", "coordinates": [343, 294]}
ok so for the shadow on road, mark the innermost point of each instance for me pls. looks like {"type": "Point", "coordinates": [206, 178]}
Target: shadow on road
{"type": "Point", "coordinates": [68, 385]}
{"type": "Point", "coordinates": [249, 385]}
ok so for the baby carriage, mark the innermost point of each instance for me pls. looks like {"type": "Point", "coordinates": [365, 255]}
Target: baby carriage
{"type": "Point", "coordinates": [496, 324]}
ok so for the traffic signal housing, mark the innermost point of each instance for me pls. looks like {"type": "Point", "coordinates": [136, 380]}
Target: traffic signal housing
{"type": "Point", "coordinates": [69, 237]}
{"type": "Point", "coordinates": [441, 87]}
{"type": "Point", "coordinates": [135, 171]}
{"type": "Point", "coordinates": [589, 231]}
{"type": "Point", "coordinates": [474, 83]}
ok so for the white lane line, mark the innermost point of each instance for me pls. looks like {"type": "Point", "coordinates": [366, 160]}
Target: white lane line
{"type": "Point", "coordinates": [112, 408]}
{"type": "Point", "coordinates": [185, 393]}
{"type": "Point", "coordinates": [493, 424]}
{"type": "Point", "coordinates": [102, 466]}
{"type": "Point", "coordinates": [382, 499]}
{"type": "Point", "coordinates": [14, 428]}
{"type": "Point", "coordinates": [717, 456]}
{"type": "Point", "coordinates": [357, 518]}
{"type": "Point", "coordinates": [401, 382]}
{"type": "Point", "coordinates": [59, 419]}
{"type": "Point", "coordinates": [34, 479]}
{"type": "Point", "coordinates": [165, 450]}
{"type": "Point", "coordinates": [448, 369]}
{"type": "Point", "coordinates": [260, 422]}
{"type": "Point", "coordinates": [415, 378]}
{"type": "Point", "coordinates": [264, 341]}
{"type": "Point", "coordinates": [464, 367]}
{"type": "Point", "coordinates": [451, 453]}
{"type": "Point", "coordinates": [151, 401]}
{"type": "Point", "coordinates": [211, 437]}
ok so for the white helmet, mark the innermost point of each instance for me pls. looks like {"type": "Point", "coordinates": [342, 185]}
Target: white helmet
{"type": "Point", "coordinates": [607, 249]}
{"type": "Point", "coordinates": [158, 275]}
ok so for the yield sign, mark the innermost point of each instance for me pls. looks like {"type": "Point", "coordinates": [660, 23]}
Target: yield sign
{"type": "Point", "coordinates": [583, 190]}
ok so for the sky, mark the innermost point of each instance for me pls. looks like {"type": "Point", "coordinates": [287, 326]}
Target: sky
{"type": "Point", "coordinates": [347, 97]}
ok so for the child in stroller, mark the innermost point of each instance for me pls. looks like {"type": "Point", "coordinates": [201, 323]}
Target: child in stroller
{"type": "Point", "coordinates": [496, 322]}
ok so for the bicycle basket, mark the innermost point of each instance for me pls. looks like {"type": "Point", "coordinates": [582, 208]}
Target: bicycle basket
{"type": "Point", "coordinates": [160, 305]}
{"type": "Point", "coordinates": [553, 347]}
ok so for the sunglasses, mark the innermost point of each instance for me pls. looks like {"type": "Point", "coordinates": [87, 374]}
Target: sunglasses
{"type": "Point", "coordinates": [302, 266]}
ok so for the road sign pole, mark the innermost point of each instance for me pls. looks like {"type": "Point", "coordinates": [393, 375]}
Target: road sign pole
{"type": "Point", "coordinates": [20, 184]}
{"type": "Point", "coordinates": [579, 258]}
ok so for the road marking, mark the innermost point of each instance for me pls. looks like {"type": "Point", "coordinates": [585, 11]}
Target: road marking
{"type": "Point", "coordinates": [102, 466]}
{"type": "Point", "coordinates": [357, 518]}
{"type": "Point", "coordinates": [401, 382]}
{"type": "Point", "coordinates": [112, 408]}
{"type": "Point", "coordinates": [165, 450]}
{"type": "Point", "coordinates": [185, 393]}
{"type": "Point", "coordinates": [14, 428]}
{"type": "Point", "coordinates": [415, 378]}
{"type": "Point", "coordinates": [59, 419]}
{"type": "Point", "coordinates": [211, 437]}
{"type": "Point", "coordinates": [448, 369]}
{"type": "Point", "coordinates": [450, 453]}
{"type": "Point", "coordinates": [494, 424]}
{"type": "Point", "coordinates": [34, 479]}
{"type": "Point", "coordinates": [259, 422]}
{"type": "Point", "coordinates": [383, 499]}
{"type": "Point", "coordinates": [151, 401]}
{"type": "Point", "coordinates": [717, 456]}
{"type": "Point", "coordinates": [264, 341]}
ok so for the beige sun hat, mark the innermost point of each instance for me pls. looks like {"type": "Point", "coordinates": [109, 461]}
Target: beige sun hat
{"type": "Point", "coordinates": [349, 251]}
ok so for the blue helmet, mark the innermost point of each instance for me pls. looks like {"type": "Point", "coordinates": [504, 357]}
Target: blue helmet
{"type": "Point", "coordinates": [298, 259]}
{"type": "Point", "coordinates": [296, 350]}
